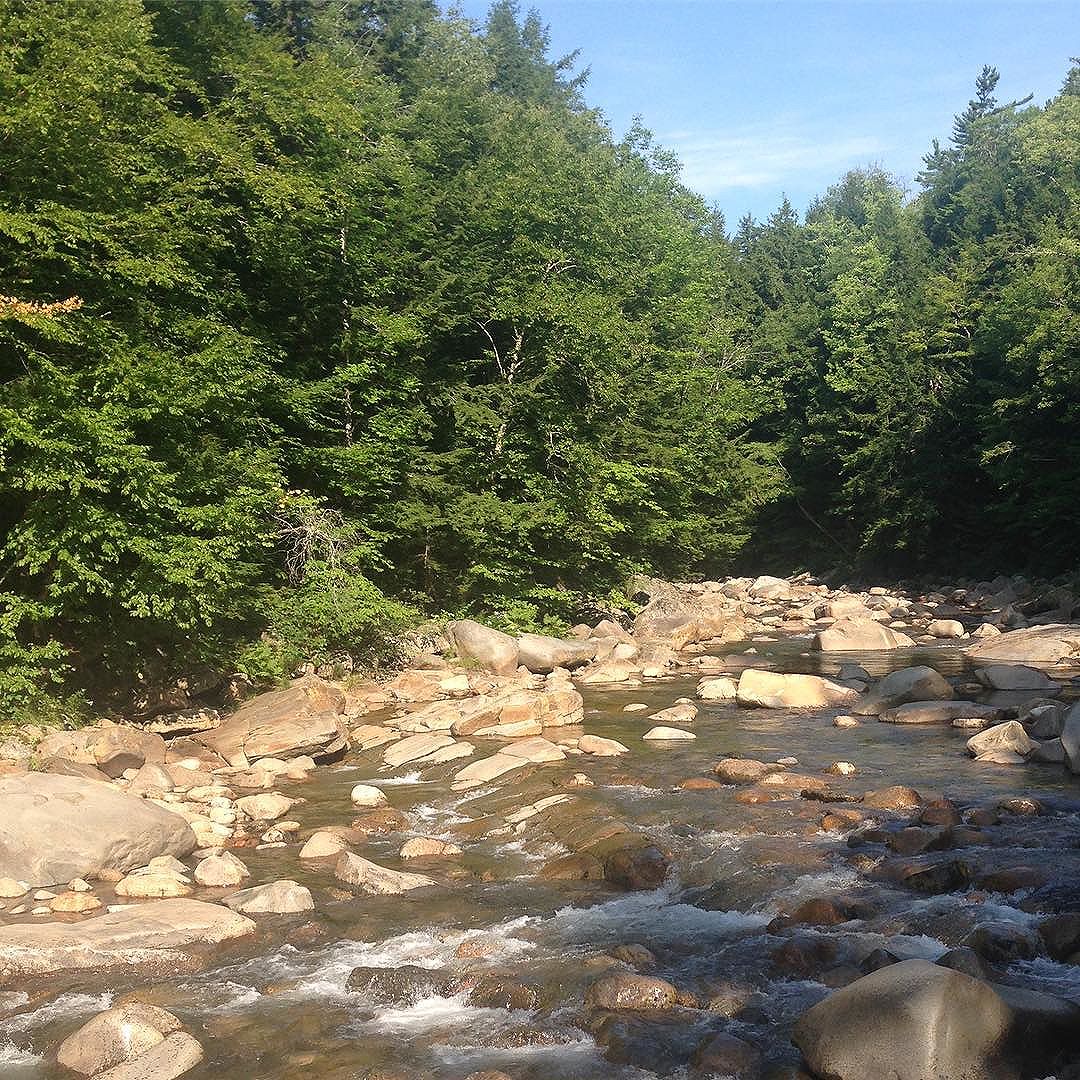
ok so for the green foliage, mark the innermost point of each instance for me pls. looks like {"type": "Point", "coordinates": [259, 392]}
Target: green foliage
{"type": "Point", "coordinates": [310, 304]}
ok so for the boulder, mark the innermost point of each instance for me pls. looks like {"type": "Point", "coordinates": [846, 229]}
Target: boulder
{"type": "Point", "coordinates": [668, 734]}
{"type": "Point", "coordinates": [608, 671]}
{"type": "Point", "coordinates": [425, 847]}
{"type": "Point", "coordinates": [916, 1020]}
{"type": "Point", "coordinates": [859, 635]}
{"type": "Point", "coordinates": [682, 713]}
{"type": "Point", "coordinates": [1070, 738]}
{"type": "Point", "coordinates": [1050, 752]}
{"type": "Point", "coordinates": [1009, 736]}
{"type": "Point", "coordinates": [145, 936]}
{"type": "Point", "coordinates": [770, 588]}
{"type": "Point", "coordinates": [371, 878]}
{"type": "Point", "coordinates": [323, 845]}
{"type": "Point", "coordinates": [669, 614]}
{"type": "Point", "coordinates": [900, 687]}
{"type": "Point", "coordinates": [268, 806]}
{"type": "Point", "coordinates": [415, 748]}
{"type": "Point", "coordinates": [541, 654]}
{"type": "Point", "coordinates": [946, 628]}
{"type": "Point", "coordinates": [1043, 719]}
{"type": "Point", "coordinates": [631, 992]}
{"type": "Point", "coordinates": [608, 628]}
{"type": "Point", "coordinates": [303, 718]}
{"type": "Point", "coordinates": [119, 747]}
{"type": "Point", "coordinates": [55, 828]}
{"type": "Point", "coordinates": [125, 1034]}
{"type": "Point", "coordinates": [772, 690]}
{"type": "Point", "coordinates": [485, 770]}
{"type": "Point", "coordinates": [221, 871]}
{"type": "Point", "coordinates": [535, 750]}
{"type": "Point", "coordinates": [274, 898]}
{"type": "Point", "coordinates": [367, 796]}
{"type": "Point", "coordinates": [154, 883]}
{"type": "Point", "coordinates": [939, 712]}
{"type": "Point", "coordinates": [491, 649]}
{"type": "Point", "coordinates": [717, 688]}
{"type": "Point", "coordinates": [1016, 677]}
{"type": "Point", "coordinates": [174, 1056]}
{"type": "Point", "coordinates": [600, 747]}
{"type": "Point", "coordinates": [851, 607]}
{"type": "Point", "coordinates": [1043, 646]}
{"type": "Point", "coordinates": [744, 770]}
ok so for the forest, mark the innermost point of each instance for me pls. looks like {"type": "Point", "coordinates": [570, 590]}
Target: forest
{"type": "Point", "coordinates": [319, 317]}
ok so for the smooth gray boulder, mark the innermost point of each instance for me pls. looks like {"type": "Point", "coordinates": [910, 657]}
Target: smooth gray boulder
{"type": "Point", "coordinates": [1043, 646]}
{"type": "Point", "coordinates": [1008, 736]}
{"type": "Point", "coordinates": [920, 1021]}
{"type": "Point", "coordinates": [1016, 677]}
{"type": "Point", "coordinates": [899, 687]}
{"type": "Point", "coordinates": [1044, 719]}
{"type": "Point", "coordinates": [492, 649]}
{"type": "Point", "coordinates": [1070, 738]}
{"type": "Point", "coordinates": [542, 655]}
{"type": "Point", "coordinates": [54, 829]}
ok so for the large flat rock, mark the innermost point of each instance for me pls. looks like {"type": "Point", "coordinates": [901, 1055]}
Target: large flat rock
{"type": "Point", "coordinates": [144, 935]}
{"type": "Point", "coordinates": [56, 828]}
{"type": "Point", "coordinates": [1044, 646]}
{"type": "Point", "coordinates": [859, 635]}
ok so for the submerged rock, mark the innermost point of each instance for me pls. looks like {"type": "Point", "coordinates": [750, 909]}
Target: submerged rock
{"type": "Point", "coordinates": [631, 992]}
{"type": "Point", "coordinates": [378, 880]}
{"type": "Point", "coordinates": [939, 712]}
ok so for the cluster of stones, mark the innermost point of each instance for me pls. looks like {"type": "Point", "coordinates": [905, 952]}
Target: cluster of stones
{"type": "Point", "coordinates": [107, 815]}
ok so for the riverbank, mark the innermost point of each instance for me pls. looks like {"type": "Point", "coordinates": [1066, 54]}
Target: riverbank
{"type": "Point", "coordinates": [651, 851]}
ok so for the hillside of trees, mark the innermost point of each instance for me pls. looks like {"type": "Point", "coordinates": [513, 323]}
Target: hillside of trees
{"type": "Point", "coordinates": [318, 316]}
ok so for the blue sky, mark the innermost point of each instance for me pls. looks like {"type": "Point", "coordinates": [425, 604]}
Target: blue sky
{"type": "Point", "coordinates": [763, 99]}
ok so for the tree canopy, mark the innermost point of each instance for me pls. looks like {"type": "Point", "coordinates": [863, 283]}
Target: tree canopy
{"type": "Point", "coordinates": [316, 315]}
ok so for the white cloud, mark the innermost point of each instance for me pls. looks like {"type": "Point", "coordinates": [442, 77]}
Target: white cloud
{"type": "Point", "coordinates": [765, 156]}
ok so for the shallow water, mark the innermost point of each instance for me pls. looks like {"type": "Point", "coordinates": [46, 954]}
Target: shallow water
{"type": "Point", "coordinates": [281, 1007]}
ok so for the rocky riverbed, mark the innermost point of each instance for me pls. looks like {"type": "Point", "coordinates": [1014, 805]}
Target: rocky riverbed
{"type": "Point", "coordinates": [764, 830]}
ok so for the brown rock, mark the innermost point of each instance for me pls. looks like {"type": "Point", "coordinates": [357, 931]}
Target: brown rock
{"type": "Point", "coordinates": [639, 992]}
